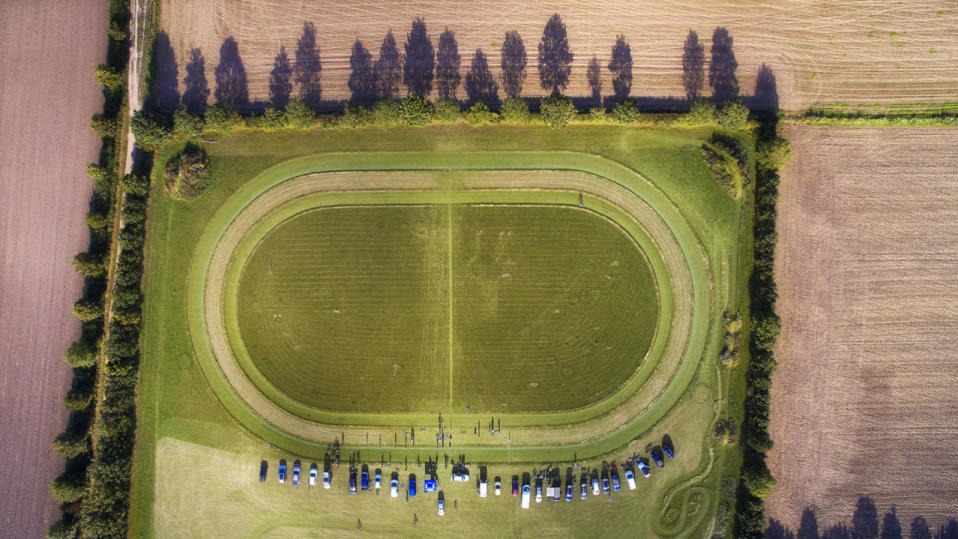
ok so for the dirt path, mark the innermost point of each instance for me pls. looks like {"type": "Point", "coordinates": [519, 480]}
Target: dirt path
{"type": "Point", "coordinates": [865, 398]}
{"type": "Point", "coordinates": [622, 415]}
{"type": "Point", "coordinates": [47, 95]}
{"type": "Point", "coordinates": [818, 52]}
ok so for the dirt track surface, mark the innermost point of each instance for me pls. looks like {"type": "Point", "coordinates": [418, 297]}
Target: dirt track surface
{"type": "Point", "coordinates": [47, 94]}
{"type": "Point", "coordinates": [817, 51]}
{"type": "Point", "coordinates": [865, 399]}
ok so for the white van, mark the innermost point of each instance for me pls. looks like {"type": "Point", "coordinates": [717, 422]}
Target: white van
{"type": "Point", "coordinates": [526, 496]}
{"type": "Point", "coordinates": [483, 488]}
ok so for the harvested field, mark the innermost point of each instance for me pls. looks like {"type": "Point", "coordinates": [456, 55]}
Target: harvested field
{"type": "Point", "coordinates": [866, 51]}
{"type": "Point", "coordinates": [865, 398]}
{"type": "Point", "coordinates": [47, 95]}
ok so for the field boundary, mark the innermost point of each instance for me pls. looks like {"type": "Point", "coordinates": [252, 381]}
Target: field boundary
{"type": "Point", "coordinates": [613, 174]}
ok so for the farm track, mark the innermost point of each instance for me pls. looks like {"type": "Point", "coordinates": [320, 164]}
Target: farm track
{"type": "Point", "coordinates": [47, 95]}
{"type": "Point", "coordinates": [866, 394]}
{"type": "Point", "coordinates": [818, 53]}
{"type": "Point", "coordinates": [557, 435]}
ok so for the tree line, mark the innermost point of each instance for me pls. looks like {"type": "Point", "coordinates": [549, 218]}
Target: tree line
{"type": "Point", "coordinates": [865, 524]}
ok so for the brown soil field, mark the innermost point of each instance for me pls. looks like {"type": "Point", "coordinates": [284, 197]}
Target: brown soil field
{"type": "Point", "coordinates": [47, 94]}
{"type": "Point", "coordinates": [858, 51]}
{"type": "Point", "coordinates": [865, 398]}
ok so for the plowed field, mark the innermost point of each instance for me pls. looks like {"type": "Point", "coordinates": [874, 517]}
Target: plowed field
{"type": "Point", "coordinates": [865, 398]}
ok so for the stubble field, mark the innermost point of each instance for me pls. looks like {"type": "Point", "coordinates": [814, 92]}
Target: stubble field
{"type": "Point", "coordinates": [866, 51]}
{"type": "Point", "coordinates": [866, 393]}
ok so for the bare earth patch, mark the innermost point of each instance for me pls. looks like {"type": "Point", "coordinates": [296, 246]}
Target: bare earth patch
{"type": "Point", "coordinates": [818, 52]}
{"type": "Point", "coordinates": [47, 95]}
{"type": "Point", "coordinates": [865, 398]}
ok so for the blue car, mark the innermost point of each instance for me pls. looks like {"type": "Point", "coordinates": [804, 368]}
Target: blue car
{"type": "Point", "coordinates": [615, 479]}
{"type": "Point", "coordinates": [296, 474]}
{"type": "Point", "coordinates": [657, 457]}
{"type": "Point", "coordinates": [282, 471]}
{"type": "Point", "coordinates": [644, 468]}
{"type": "Point", "coordinates": [412, 486]}
{"type": "Point", "coordinates": [263, 467]}
{"type": "Point", "coordinates": [669, 451]}
{"type": "Point", "coordinates": [568, 491]}
{"type": "Point", "coordinates": [605, 481]}
{"type": "Point", "coordinates": [365, 481]}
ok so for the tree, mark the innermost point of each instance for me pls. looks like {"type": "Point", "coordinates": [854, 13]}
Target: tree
{"type": "Point", "coordinates": [87, 310]}
{"type": "Point", "coordinates": [68, 487]}
{"type": "Point", "coordinates": [135, 184]}
{"type": "Point", "coordinates": [186, 126]}
{"type": "Point", "coordinates": [151, 132]}
{"type": "Point", "coordinates": [481, 86]}
{"type": "Point", "coordinates": [109, 77]}
{"type": "Point", "coordinates": [77, 399]}
{"type": "Point", "coordinates": [273, 119]}
{"type": "Point", "coordinates": [733, 116]}
{"type": "Point", "coordinates": [98, 220]}
{"type": "Point", "coordinates": [389, 67]}
{"type": "Point", "coordinates": [362, 76]}
{"type": "Point", "coordinates": [594, 75]}
{"type": "Point", "coordinates": [187, 174]}
{"type": "Point", "coordinates": [299, 114]}
{"type": "Point", "coordinates": [555, 58]}
{"type": "Point", "coordinates": [703, 112]}
{"type": "Point", "coordinates": [90, 264]}
{"type": "Point", "coordinates": [557, 110]}
{"type": "Point", "coordinates": [104, 126]}
{"type": "Point", "coordinates": [70, 445]}
{"type": "Point", "coordinates": [447, 65]}
{"type": "Point", "coordinates": [96, 172]}
{"type": "Point", "coordinates": [221, 119]}
{"type": "Point", "coordinates": [621, 67]}
{"type": "Point", "coordinates": [759, 481]}
{"type": "Point", "coordinates": [307, 66]}
{"type": "Point", "coordinates": [516, 110]}
{"type": "Point", "coordinates": [774, 154]}
{"type": "Point", "coordinates": [415, 111]}
{"type": "Point", "coordinates": [479, 114]}
{"type": "Point", "coordinates": [447, 110]}
{"type": "Point", "coordinates": [420, 60]}
{"type": "Point", "coordinates": [626, 111]}
{"type": "Point", "coordinates": [513, 63]}
{"type": "Point", "coordinates": [354, 115]}
{"type": "Point", "coordinates": [385, 113]}
{"type": "Point", "coordinates": [693, 66]}
{"type": "Point", "coordinates": [64, 529]}
{"type": "Point", "coordinates": [722, 67]}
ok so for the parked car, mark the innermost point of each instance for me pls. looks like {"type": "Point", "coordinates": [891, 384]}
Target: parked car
{"type": "Point", "coordinates": [364, 481]}
{"type": "Point", "coordinates": [394, 488]}
{"type": "Point", "coordinates": [525, 496]}
{"type": "Point", "coordinates": [644, 468]}
{"type": "Point", "coordinates": [630, 478]}
{"type": "Point", "coordinates": [263, 469]}
{"type": "Point", "coordinates": [657, 457]}
{"type": "Point", "coordinates": [538, 491]}
{"type": "Point", "coordinates": [352, 481]}
{"type": "Point", "coordinates": [515, 486]}
{"type": "Point", "coordinates": [584, 487]}
{"type": "Point", "coordinates": [605, 482]}
{"type": "Point", "coordinates": [378, 479]}
{"type": "Point", "coordinates": [595, 483]}
{"type": "Point", "coordinates": [667, 447]}
{"type": "Point", "coordinates": [326, 478]}
{"type": "Point", "coordinates": [313, 474]}
{"type": "Point", "coordinates": [430, 485]}
{"type": "Point", "coordinates": [282, 471]}
{"type": "Point", "coordinates": [568, 491]}
{"type": "Point", "coordinates": [615, 479]}
{"type": "Point", "coordinates": [412, 486]}
{"type": "Point", "coordinates": [296, 474]}
{"type": "Point", "coordinates": [442, 509]}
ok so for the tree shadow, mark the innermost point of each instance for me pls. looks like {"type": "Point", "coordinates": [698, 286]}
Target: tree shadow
{"type": "Point", "coordinates": [766, 91]}
{"type": "Point", "coordinates": [865, 518]}
{"type": "Point", "coordinates": [197, 90]}
{"type": "Point", "coordinates": [948, 530]}
{"type": "Point", "coordinates": [555, 58]}
{"type": "Point", "coordinates": [231, 84]}
{"type": "Point", "coordinates": [838, 531]}
{"type": "Point", "coordinates": [280, 80]}
{"type": "Point", "coordinates": [621, 67]}
{"type": "Point", "coordinates": [890, 526]}
{"type": "Point", "coordinates": [481, 86]}
{"type": "Point", "coordinates": [164, 88]}
{"type": "Point", "coordinates": [447, 65]}
{"type": "Point", "coordinates": [307, 67]}
{"type": "Point", "coordinates": [722, 67]}
{"type": "Point", "coordinates": [693, 66]}
{"type": "Point", "coordinates": [362, 76]}
{"type": "Point", "coordinates": [920, 529]}
{"type": "Point", "coordinates": [388, 68]}
{"type": "Point", "coordinates": [593, 74]}
{"type": "Point", "coordinates": [420, 60]}
{"type": "Point", "coordinates": [513, 64]}
{"type": "Point", "coordinates": [808, 529]}
{"type": "Point", "coordinates": [776, 530]}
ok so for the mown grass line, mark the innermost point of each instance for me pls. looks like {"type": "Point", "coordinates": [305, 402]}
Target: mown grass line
{"type": "Point", "coordinates": [533, 160]}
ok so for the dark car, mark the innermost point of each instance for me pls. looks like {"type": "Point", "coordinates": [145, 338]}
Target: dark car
{"type": "Point", "coordinates": [515, 486]}
{"type": "Point", "coordinates": [352, 481]}
{"type": "Point", "coordinates": [669, 450]}
{"type": "Point", "coordinates": [616, 486]}
{"type": "Point", "coordinates": [584, 487]}
{"type": "Point", "coordinates": [657, 457]}
{"type": "Point", "coordinates": [605, 481]}
{"type": "Point", "coordinates": [263, 468]}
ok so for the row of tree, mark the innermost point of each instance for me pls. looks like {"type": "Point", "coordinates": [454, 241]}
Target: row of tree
{"type": "Point", "coordinates": [423, 68]}
{"type": "Point", "coordinates": [865, 524]}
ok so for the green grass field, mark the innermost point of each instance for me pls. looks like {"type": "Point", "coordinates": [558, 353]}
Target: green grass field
{"type": "Point", "coordinates": [551, 308]}
{"type": "Point", "coordinates": [199, 442]}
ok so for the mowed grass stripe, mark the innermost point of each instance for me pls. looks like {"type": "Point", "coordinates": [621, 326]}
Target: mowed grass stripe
{"type": "Point", "coordinates": [358, 295]}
